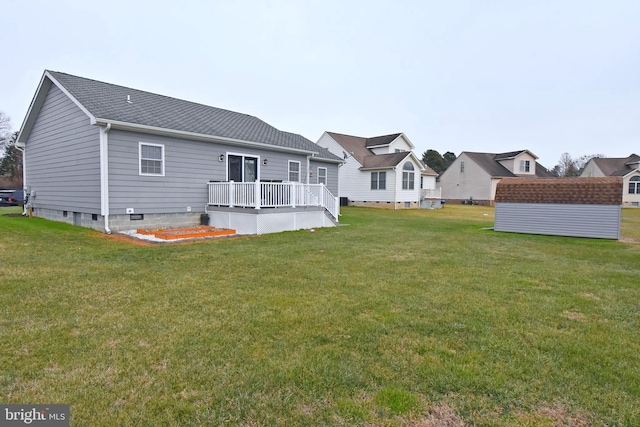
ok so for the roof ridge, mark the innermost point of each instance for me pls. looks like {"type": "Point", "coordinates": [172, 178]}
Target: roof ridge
{"type": "Point", "coordinates": [160, 95]}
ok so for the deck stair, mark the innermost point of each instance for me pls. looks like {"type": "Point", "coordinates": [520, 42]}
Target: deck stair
{"type": "Point", "coordinates": [188, 233]}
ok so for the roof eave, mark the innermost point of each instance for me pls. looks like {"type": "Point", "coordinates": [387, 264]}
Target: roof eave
{"type": "Point", "coordinates": [376, 168]}
{"type": "Point", "coordinates": [134, 127]}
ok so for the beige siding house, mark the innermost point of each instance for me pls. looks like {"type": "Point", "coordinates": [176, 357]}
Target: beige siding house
{"type": "Point", "coordinates": [626, 167]}
{"type": "Point", "coordinates": [474, 176]}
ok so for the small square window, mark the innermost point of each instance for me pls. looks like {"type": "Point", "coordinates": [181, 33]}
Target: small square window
{"type": "Point", "coordinates": [151, 159]}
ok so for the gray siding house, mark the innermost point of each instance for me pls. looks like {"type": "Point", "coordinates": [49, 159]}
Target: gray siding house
{"type": "Point", "coordinates": [114, 158]}
{"type": "Point", "coordinates": [577, 207]}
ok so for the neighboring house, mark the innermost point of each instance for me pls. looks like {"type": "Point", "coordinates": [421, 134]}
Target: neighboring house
{"type": "Point", "coordinates": [626, 167]}
{"type": "Point", "coordinates": [474, 176]}
{"type": "Point", "coordinates": [381, 171]}
{"type": "Point", "coordinates": [578, 207]}
{"type": "Point", "coordinates": [115, 158]}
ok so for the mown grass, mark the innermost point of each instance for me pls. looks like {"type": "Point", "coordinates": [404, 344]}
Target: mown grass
{"type": "Point", "coordinates": [382, 322]}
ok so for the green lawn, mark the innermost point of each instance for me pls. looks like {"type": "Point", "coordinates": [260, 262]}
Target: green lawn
{"type": "Point", "coordinates": [401, 318]}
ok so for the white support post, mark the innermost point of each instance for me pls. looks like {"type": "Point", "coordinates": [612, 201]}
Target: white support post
{"type": "Point", "coordinates": [231, 194]}
{"type": "Point", "coordinates": [256, 193]}
{"type": "Point", "coordinates": [321, 195]}
{"type": "Point", "coordinates": [292, 194]}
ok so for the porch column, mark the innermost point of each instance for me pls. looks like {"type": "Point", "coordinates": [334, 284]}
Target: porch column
{"type": "Point", "coordinates": [292, 194]}
{"type": "Point", "coordinates": [231, 194]}
{"type": "Point", "coordinates": [256, 193]}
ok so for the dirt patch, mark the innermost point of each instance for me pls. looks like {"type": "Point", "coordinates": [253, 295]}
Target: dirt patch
{"type": "Point", "coordinates": [629, 240]}
{"type": "Point", "coordinates": [13, 215]}
{"type": "Point", "coordinates": [556, 416]}
{"type": "Point", "coordinates": [124, 239]}
{"type": "Point", "coordinates": [439, 416]}
{"type": "Point", "coordinates": [573, 315]}
{"type": "Point", "coordinates": [116, 237]}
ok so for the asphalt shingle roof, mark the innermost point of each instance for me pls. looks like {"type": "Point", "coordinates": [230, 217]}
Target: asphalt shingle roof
{"type": "Point", "coordinates": [615, 166]}
{"type": "Point", "coordinates": [489, 162]}
{"type": "Point", "coordinates": [577, 190]}
{"type": "Point", "coordinates": [384, 160]}
{"type": "Point", "coordinates": [381, 140]}
{"type": "Point", "coordinates": [122, 104]}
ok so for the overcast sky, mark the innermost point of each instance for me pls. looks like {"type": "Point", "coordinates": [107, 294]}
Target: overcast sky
{"type": "Point", "coordinates": [551, 76]}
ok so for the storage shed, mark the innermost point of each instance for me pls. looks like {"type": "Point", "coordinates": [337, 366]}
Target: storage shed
{"type": "Point", "coordinates": [578, 207]}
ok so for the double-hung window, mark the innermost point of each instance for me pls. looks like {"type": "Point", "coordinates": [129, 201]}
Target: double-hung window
{"type": "Point", "coordinates": [322, 176]}
{"type": "Point", "coordinates": [634, 185]}
{"type": "Point", "coordinates": [378, 180]}
{"type": "Point", "coordinates": [525, 166]}
{"type": "Point", "coordinates": [151, 159]}
{"type": "Point", "coordinates": [408, 176]}
{"type": "Point", "coordinates": [294, 171]}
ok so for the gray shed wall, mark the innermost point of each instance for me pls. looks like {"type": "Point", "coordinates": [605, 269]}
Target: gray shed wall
{"type": "Point", "coordinates": [189, 166]}
{"type": "Point", "coordinates": [599, 221]}
{"type": "Point", "coordinates": [62, 157]}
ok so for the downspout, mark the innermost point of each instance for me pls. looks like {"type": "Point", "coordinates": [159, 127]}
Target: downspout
{"type": "Point", "coordinates": [395, 188]}
{"type": "Point", "coordinates": [104, 176]}
{"type": "Point", "coordinates": [24, 176]}
{"type": "Point", "coordinates": [308, 168]}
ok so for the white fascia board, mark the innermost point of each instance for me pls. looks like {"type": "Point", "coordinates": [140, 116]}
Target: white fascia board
{"type": "Point", "coordinates": [407, 139]}
{"type": "Point", "coordinates": [322, 159]}
{"type": "Point", "coordinates": [71, 97]}
{"type": "Point", "coordinates": [34, 101]}
{"type": "Point", "coordinates": [378, 169]}
{"type": "Point", "coordinates": [38, 100]}
{"type": "Point", "coordinates": [133, 127]}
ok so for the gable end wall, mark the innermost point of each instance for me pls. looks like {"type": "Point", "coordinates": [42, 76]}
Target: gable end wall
{"type": "Point", "coordinates": [62, 156]}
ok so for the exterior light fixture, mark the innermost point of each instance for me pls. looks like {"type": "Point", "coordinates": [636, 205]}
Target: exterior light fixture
{"type": "Point", "coordinates": [264, 162]}
{"type": "Point", "coordinates": [221, 158]}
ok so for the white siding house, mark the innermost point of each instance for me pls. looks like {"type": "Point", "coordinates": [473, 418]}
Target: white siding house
{"type": "Point", "coordinates": [474, 176]}
{"type": "Point", "coordinates": [626, 167]}
{"type": "Point", "coordinates": [380, 171]}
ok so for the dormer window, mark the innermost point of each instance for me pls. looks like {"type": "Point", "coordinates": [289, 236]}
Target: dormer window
{"type": "Point", "coordinates": [525, 166]}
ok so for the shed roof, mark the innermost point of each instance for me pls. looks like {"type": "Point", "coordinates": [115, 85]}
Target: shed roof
{"type": "Point", "coordinates": [576, 190]}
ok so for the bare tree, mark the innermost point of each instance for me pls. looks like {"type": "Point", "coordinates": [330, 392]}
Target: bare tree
{"type": "Point", "coordinates": [566, 166]}
{"type": "Point", "coordinates": [5, 131]}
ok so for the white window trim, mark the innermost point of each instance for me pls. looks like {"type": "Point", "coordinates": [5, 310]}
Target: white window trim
{"type": "Point", "coordinates": [243, 155]}
{"type": "Point", "coordinates": [378, 180]}
{"type": "Point", "coordinates": [326, 179]}
{"type": "Point", "coordinates": [162, 160]}
{"type": "Point", "coordinates": [299, 170]}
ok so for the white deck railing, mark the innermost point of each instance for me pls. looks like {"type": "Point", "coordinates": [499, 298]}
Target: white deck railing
{"type": "Point", "coordinates": [259, 195]}
{"type": "Point", "coordinates": [431, 193]}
